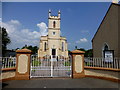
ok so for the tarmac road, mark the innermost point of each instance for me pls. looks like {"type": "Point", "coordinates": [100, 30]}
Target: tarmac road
{"type": "Point", "coordinates": [61, 83]}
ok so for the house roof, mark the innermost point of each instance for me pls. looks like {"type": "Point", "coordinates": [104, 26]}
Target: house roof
{"type": "Point", "coordinates": [104, 19]}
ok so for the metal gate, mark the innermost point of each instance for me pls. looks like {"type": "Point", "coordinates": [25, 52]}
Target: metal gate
{"type": "Point", "coordinates": [50, 66]}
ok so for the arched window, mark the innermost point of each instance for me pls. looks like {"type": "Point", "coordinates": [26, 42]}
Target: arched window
{"type": "Point", "coordinates": [106, 47]}
{"type": "Point", "coordinates": [54, 24]}
{"type": "Point", "coordinates": [45, 46]}
{"type": "Point", "coordinates": [62, 46]}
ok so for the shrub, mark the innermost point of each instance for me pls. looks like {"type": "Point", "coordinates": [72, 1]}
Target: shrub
{"type": "Point", "coordinates": [67, 64]}
{"type": "Point", "coordinates": [36, 63]}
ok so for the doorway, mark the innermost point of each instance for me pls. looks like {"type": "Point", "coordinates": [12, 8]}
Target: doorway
{"type": "Point", "coordinates": [53, 53]}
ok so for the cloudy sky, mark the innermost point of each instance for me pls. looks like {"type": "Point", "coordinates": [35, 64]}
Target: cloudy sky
{"type": "Point", "coordinates": [27, 21]}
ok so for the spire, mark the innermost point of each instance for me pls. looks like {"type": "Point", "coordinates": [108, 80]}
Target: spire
{"type": "Point", "coordinates": [59, 13]}
{"type": "Point", "coordinates": [49, 12]}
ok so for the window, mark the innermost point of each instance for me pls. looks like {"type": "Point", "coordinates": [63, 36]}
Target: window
{"type": "Point", "coordinates": [45, 46]}
{"type": "Point", "coordinates": [53, 33]}
{"type": "Point", "coordinates": [54, 23]}
{"type": "Point", "coordinates": [106, 47]}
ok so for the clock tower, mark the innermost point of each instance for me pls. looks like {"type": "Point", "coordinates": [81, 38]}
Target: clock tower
{"type": "Point", "coordinates": [54, 26]}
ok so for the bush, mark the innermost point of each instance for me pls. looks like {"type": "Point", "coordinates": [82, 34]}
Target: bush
{"type": "Point", "coordinates": [67, 64]}
{"type": "Point", "coordinates": [36, 63]}
{"type": "Point", "coordinates": [87, 64]}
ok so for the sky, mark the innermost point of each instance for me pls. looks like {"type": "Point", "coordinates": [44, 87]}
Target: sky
{"type": "Point", "coordinates": [27, 21]}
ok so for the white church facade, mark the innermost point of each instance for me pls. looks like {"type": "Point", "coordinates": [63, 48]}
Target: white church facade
{"type": "Point", "coordinates": [53, 44]}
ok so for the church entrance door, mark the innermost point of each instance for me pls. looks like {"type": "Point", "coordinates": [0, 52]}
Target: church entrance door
{"type": "Point", "coordinates": [53, 53]}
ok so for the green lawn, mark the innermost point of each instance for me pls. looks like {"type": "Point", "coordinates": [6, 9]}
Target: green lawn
{"type": "Point", "coordinates": [36, 63]}
{"type": "Point", "coordinates": [67, 64]}
{"type": "Point", "coordinates": [87, 64]}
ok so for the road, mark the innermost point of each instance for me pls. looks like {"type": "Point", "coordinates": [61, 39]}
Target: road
{"type": "Point", "coordinates": [61, 83]}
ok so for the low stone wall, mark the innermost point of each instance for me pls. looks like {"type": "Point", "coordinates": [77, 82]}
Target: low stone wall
{"type": "Point", "coordinates": [102, 73]}
{"type": "Point", "coordinates": [7, 74]}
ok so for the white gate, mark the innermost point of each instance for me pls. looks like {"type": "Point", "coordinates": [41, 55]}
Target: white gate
{"type": "Point", "coordinates": [50, 66]}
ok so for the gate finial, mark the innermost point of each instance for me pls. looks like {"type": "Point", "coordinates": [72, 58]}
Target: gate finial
{"type": "Point", "coordinates": [75, 47]}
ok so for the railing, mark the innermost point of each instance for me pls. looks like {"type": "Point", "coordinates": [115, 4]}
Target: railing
{"type": "Point", "coordinates": [8, 62]}
{"type": "Point", "coordinates": [38, 61]}
{"type": "Point", "coordinates": [102, 63]}
{"type": "Point", "coordinates": [56, 57]}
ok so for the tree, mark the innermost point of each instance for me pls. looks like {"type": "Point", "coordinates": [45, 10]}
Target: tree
{"type": "Point", "coordinates": [82, 49]}
{"type": "Point", "coordinates": [17, 49]}
{"type": "Point", "coordinates": [5, 40]}
{"type": "Point", "coordinates": [69, 51]}
{"type": "Point", "coordinates": [34, 49]}
{"type": "Point", "coordinates": [24, 46]}
{"type": "Point", "coordinates": [88, 53]}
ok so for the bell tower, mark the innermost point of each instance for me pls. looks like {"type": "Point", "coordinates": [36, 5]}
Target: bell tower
{"type": "Point", "coordinates": [53, 25]}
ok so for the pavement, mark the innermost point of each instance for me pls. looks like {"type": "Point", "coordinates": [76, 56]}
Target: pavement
{"type": "Point", "coordinates": [61, 83]}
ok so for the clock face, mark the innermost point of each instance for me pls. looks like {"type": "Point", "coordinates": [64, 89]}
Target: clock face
{"type": "Point", "coordinates": [53, 33]}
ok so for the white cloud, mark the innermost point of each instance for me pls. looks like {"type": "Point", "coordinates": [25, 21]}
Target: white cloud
{"type": "Point", "coordinates": [14, 22]}
{"type": "Point", "coordinates": [82, 40]}
{"type": "Point", "coordinates": [0, 19]}
{"type": "Point", "coordinates": [43, 28]}
{"type": "Point", "coordinates": [84, 31]}
{"type": "Point", "coordinates": [19, 37]}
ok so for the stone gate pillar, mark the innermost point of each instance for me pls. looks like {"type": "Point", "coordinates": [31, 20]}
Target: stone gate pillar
{"type": "Point", "coordinates": [77, 64]}
{"type": "Point", "coordinates": [23, 64]}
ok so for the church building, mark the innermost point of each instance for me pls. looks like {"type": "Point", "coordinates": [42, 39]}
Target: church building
{"type": "Point", "coordinates": [53, 44]}
{"type": "Point", "coordinates": [106, 41]}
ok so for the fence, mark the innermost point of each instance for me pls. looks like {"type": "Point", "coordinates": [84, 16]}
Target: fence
{"type": "Point", "coordinates": [102, 63]}
{"type": "Point", "coordinates": [8, 62]}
